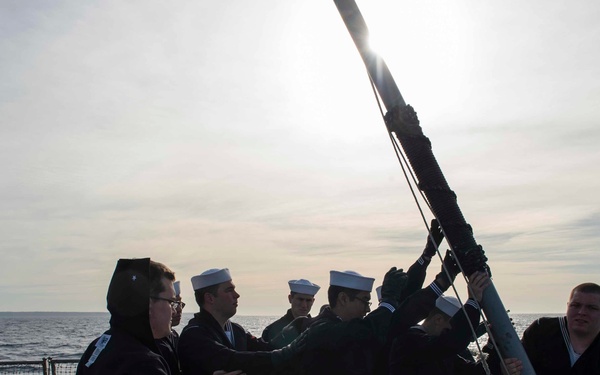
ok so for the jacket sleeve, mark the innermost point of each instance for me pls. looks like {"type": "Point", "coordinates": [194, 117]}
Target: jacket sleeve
{"type": "Point", "coordinates": [414, 309]}
{"type": "Point", "coordinates": [416, 277]}
{"type": "Point", "coordinates": [199, 353]}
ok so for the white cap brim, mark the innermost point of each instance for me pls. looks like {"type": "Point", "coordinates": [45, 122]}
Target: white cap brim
{"type": "Point", "coordinates": [211, 277]}
{"type": "Point", "coordinates": [303, 286]}
{"type": "Point", "coordinates": [351, 279]}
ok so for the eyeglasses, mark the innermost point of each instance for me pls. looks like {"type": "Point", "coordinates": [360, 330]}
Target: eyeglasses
{"type": "Point", "coordinates": [174, 304]}
{"type": "Point", "coordinates": [367, 303]}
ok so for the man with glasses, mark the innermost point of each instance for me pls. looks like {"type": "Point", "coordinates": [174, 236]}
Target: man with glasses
{"type": "Point", "coordinates": [211, 341]}
{"type": "Point", "coordinates": [342, 340]}
{"type": "Point", "coordinates": [168, 345]}
{"type": "Point", "coordinates": [140, 299]}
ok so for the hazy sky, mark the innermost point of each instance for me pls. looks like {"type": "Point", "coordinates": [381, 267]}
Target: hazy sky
{"type": "Point", "coordinates": [244, 134]}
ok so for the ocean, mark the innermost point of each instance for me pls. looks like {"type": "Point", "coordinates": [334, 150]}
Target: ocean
{"type": "Point", "coordinates": [28, 336]}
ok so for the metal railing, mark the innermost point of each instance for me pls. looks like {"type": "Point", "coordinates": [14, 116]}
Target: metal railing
{"type": "Point", "coordinates": [47, 366]}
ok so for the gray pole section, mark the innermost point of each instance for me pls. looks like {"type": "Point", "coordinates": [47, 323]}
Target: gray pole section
{"type": "Point", "coordinates": [502, 329]}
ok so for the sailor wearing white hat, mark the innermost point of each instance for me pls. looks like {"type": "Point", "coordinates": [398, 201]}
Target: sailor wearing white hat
{"type": "Point", "coordinates": [433, 347]}
{"type": "Point", "coordinates": [342, 339]}
{"type": "Point", "coordinates": [211, 341]}
{"type": "Point", "coordinates": [176, 318]}
{"type": "Point", "coordinates": [301, 298]}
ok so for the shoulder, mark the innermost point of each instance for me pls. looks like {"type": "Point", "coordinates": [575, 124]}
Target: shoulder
{"type": "Point", "coordinates": [148, 363]}
{"type": "Point", "coordinates": [125, 355]}
{"type": "Point", "coordinates": [545, 324]}
{"type": "Point", "coordinates": [194, 331]}
{"type": "Point", "coordinates": [238, 327]}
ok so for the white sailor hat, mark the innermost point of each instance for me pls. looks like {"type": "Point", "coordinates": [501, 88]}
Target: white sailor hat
{"type": "Point", "coordinates": [303, 286]}
{"type": "Point", "coordinates": [378, 291]}
{"type": "Point", "coordinates": [210, 277]}
{"type": "Point", "coordinates": [351, 279]}
{"type": "Point", "coordinates": [448, 305]}
{"type": "Point", "coordinates": [177, 287]}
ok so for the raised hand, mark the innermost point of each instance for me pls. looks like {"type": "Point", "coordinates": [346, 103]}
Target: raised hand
{"type": "Point", "coordinates": [478, 281]}
{"type": "Point", "coordinates": [438, 236]}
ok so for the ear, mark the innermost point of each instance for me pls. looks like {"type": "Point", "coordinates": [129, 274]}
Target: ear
{"type": "Point", "coordinates": [209, 298]}
{"type": "Point", "coordinates": [290, 298]}
{"type": "Point", "coordinates": [437, 319]}
{"type": "Point", "coordinates": [343, 299]}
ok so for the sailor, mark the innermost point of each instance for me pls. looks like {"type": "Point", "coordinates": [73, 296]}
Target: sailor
{"type": "Point", "coordinates": [569, 344]}
{"type": "Point", "coordinates": [140, 301]}
{"type": "Point", "coordinates": [301, 298]}
{"type": "Point", "coordinates": [433, 347]}
{"type": "Point", "coordinates": [211, 341]}
{"type": "Point", "coordinates": [416, 276]}
{"type": "Point", "coordinates": [168, 345]}
{"type": "Point", "coordinates": [179, 310]}
{"type": "Point", "coordinates": [343, 340]}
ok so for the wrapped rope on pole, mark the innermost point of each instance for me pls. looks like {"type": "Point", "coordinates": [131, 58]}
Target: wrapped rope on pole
{"type": "Point", "coordinates": [402, 120]}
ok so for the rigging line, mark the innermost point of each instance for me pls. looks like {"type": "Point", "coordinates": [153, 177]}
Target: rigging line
{"type": "Point", "coordinates": [402, 160]}
{"type": "Point", "coordinates": [483, 317]}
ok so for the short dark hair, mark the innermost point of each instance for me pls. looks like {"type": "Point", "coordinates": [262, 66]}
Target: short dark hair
{"type": "Point", "coordinates": [199, 293]}
{"type": "Point", "coordinates": [586, 288]}
{"type": "Point", "coordinates": [335, 290]}
{"type": "Point", "coordinates": [156, 274]}
{"type": "Point", "coordinates": [292, 294]}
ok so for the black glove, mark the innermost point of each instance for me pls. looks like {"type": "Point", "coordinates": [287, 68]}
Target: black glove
{"type": "Point", "coordinates": [438, 236]}
{"type": "Point", "coordinates": [394, 283]}
{"type": "Point", "coordinates": [449, 265]}
{"type": "Point", "coordinates": [294, 329]}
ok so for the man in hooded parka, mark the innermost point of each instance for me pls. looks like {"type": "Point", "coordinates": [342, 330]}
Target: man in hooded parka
{"type": "Point", "coordinates": [140, 298]}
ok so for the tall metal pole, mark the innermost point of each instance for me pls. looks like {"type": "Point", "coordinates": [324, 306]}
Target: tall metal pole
{"type": "Point", "coordinates": [402, 120]}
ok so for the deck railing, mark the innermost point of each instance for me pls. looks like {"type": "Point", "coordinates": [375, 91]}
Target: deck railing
{"type": "Point", "coordinates": [47, 366]}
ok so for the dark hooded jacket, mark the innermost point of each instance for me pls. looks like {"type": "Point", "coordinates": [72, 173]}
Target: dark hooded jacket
{"type": "Point", "coordinates": [128, 346]}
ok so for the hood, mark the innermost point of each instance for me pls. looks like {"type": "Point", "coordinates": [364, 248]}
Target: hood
{"type": "Point", "coordinates": [128, 299]}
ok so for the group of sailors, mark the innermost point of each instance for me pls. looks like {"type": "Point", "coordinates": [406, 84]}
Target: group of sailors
{"type": "Point", "coordinates": [346, 337]}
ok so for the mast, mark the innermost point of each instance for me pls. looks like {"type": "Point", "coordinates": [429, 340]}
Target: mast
{"type": "Point", "coordinates": [402, 120]}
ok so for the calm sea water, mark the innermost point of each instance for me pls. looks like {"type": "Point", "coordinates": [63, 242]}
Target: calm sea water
{"type": "Point", "coordinates": [28, 336]}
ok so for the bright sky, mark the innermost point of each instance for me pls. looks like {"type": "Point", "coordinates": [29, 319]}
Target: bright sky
{"type": "Point", "coordinates": [244, 134]}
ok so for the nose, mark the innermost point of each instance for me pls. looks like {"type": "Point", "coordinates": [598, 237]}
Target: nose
{"type": "Point", "coordinates": [237, 295]}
